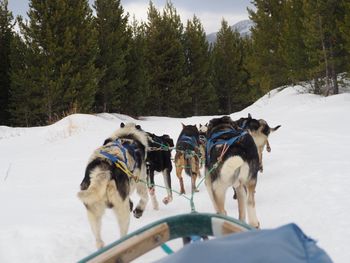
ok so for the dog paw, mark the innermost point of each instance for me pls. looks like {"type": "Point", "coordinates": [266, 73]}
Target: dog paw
{"type": "Point", "coordinates": [100, 244]}
{"type": "Point", "coordinates": [167, 200]}
{"type": "Point", "coordinates": [138, 212]}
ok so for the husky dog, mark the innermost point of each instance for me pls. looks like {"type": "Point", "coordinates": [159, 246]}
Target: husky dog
{"type": "Point", "coordinates": [231, 160]}
{"type": "Point", "coordinates": [260, 131]}
{"type": "Point", "coordinates": [202, 142]}
{"type": "Point", "coordinates": [159, 159]}
{"type": "Point", "coordinates": [187, 155]}
{"type": "Point", "coordinates": [112, 175]}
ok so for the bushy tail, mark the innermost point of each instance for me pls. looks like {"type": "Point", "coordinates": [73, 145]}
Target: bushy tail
{"type": "Point", "coordinates": [97, 188]}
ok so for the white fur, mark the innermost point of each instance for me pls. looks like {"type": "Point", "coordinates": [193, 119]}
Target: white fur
{"type": "Point", "coordinates": [229, 167]}
{"type": "Point", "coordinates": [130, 129]}
{"type": "Point", "coordinates": [103, 190]}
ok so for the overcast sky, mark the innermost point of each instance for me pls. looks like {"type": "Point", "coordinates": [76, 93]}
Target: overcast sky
{"type": "Point", "coordinates": [210, 12]}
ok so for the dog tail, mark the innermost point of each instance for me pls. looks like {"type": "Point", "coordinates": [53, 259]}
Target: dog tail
{"type": "Point", "coordinates": [98, 187]}
{"type": "Point", "coordinates": [188, 164]}
{"type": "Point", "coordinates": [275, 128]}
{"type": "Point", "coordinates": [230, 166]}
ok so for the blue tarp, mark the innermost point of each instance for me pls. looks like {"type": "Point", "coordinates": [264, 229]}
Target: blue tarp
{"type": "Point", "coordinates": [286, 244]}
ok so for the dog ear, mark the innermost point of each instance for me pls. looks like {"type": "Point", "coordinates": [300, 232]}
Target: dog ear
{"type": "Point", "coordinates": [122, 125]}
{"type": "Point", "coordinates": [200, 125]}
{"type": "Point", "coordinates": [183, 125]}
{"type": "Point", "coordinates": [138, 127]}
{"type": "Point", "coordinates": [249, 116]}
{"type": "Point", "coordinates": [107, 141]}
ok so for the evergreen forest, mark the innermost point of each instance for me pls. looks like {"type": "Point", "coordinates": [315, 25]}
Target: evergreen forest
{"type": "Point", "coordinates": [69, 57]}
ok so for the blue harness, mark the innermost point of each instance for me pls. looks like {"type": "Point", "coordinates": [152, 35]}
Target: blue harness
{"type": "Point", "coordinates": [215, 140]}
{"type": "Point", "coordinates": [123, 148]}
{"type": "Point", "coordinates": [191, 140]}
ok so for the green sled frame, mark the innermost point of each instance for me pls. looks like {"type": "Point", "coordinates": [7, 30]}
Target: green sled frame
{"type": "Point", "coordinates": [155, 234]}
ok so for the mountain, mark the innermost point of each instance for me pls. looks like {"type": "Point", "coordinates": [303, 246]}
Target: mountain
{"type": "Point", "coordinates": [243, 27]}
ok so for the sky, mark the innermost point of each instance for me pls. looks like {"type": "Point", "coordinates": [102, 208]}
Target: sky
{"type": "Point", "coordinates": [305, 179]}
{"type": "Point", "coordinates": [209, 12]}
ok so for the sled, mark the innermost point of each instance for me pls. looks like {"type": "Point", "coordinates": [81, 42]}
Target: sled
{"type": "Point", "coordinates": [156, 234]}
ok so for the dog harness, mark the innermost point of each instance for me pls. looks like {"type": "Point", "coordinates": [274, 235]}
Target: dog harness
{"type": "Point", "coordinates": [123, 165]}
{"type": "Point", "coordinates": [216, 140]}
{"type": "Point", "coordinates": [191, 140]}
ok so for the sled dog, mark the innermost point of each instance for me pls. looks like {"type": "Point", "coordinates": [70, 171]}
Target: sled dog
{"type": "Point", "coordinates": [260, 131]}
{"type": "Point", "coordinates": [159, 160]}
{"type": "Point", "coordinates": [187, 155]}
{"type": "Point", "coordinates": [111, 176]}
{"type": "Point", "coordinates": [232, 159]}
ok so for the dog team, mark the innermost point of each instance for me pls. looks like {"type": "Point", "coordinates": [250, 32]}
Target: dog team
{"type": "Point", "coordinates": [230, 151]}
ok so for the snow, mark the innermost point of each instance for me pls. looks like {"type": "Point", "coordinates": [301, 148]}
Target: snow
{"type": "Point", "coordinates": [305, 178]}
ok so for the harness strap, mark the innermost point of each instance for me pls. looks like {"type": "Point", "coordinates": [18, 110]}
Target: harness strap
{"type": "Point", "coordinates": [120, 164]}
{"type": "Point", "coordinates": [215, 140]}
{"type": "Point", "coordinates": [191, 140]}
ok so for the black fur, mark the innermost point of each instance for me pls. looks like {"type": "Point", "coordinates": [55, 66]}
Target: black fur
{"type": "Point", "coordinates": [159, 160]}
{"type": "Point", "coordinates": [244, 147]}
{"type": "Point", "coordinates": [254, 124]}
{"type": "Point", "coordinates": [121, 179]}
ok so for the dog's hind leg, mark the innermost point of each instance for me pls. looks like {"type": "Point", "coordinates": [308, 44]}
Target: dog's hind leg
{"type": "Point", "coordinates": [141, 189]}
{"type": "Point", "coordinates": [179, 165]}
{"type": "Point", "coordinates": [209, 187]}
{"type": "Point", "coordinates": [242, 202]}
{"type": "Point", "coordinates": [120, 206]}
{"type": "Point", "coordinates": [167, 182]}
{"type": "Point", "coordinates": [94, 213]}
{"type": "Point", "coordinates": [195, 173]}
{"type": "Point", "coordinates": [252, 218]}
{"type": "Point", "coordinates": [152, 190]}
{"type": "Point", "coordinates": [219, 194]}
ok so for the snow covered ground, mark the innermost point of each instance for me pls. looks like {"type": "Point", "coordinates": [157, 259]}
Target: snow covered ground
{"type": "Point", "coordinates": [306, 178]}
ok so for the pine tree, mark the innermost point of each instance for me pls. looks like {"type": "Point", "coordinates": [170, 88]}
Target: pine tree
{"type": "Point", "coordinates": [228, 69]}
{"type": "Point", "coordinates": [344, 26]}
{"type": "Point", "coordinates": [268, 70]}
{"type": "Point", "coordinates": [201, 90]}
{"type": "Point", "coordinates": [323, 42]}
{"type": "Point", "coordinates": [26, 96]}
{"type": "Point", "coordinates": [165, 56]}
{"type": "Point", "coordinates": [134, 101]}
{"type": "Point", "coordinates": [62, 43]}
{"type": "Point", "coordinates": [113, 39]}
{"type": "Point", "coordinates": [6, 36]}
{"type": "Point", "coordinates": [292, 46]}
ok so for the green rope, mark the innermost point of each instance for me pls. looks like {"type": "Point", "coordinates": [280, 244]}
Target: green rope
{"type": "Point", "coordinates": [192, 154]}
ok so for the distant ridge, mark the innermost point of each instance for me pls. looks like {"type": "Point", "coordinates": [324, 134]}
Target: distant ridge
{"type": "Point", "coordinates": [243, 27]}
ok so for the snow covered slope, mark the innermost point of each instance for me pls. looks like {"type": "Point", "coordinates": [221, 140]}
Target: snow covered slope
{"type": "Point", "coordinates": [306, 178]}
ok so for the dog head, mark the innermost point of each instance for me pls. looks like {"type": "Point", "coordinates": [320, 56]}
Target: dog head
{"type": "Point", "coordinates": [190, 130]}
{"type": "Point", "coordinates": [203, 129]}
{"type": "Point", "coordinates": [129, 131]}
{"type": "Point", "coordinates": [256, 126]}
{"type": "Point", "coordinates": [219, 124]}
{"type": "Point", "coordinates": [164, 139]}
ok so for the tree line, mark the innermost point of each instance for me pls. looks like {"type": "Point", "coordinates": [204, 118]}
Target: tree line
{"type": "Point", "coordinates": [65, 58]}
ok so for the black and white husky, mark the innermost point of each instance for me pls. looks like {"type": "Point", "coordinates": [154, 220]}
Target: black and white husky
{"type": "Point", "coordinates": [111, 176]}
{"type": "Point", "coordinates": [260, 131]}
{"type": "Point", "coordinates": [231, 160]}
